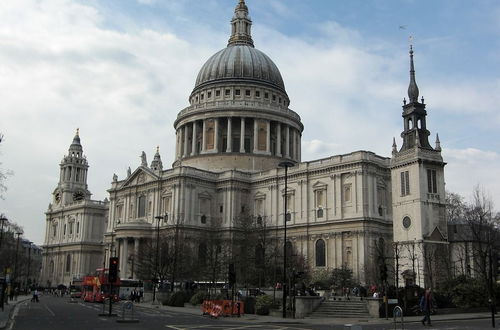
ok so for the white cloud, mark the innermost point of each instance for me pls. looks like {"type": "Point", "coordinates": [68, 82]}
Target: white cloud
{"type": "Point", "coordinates": [470, 167]}
{"type": "Point", "coordinates": [61, 68]}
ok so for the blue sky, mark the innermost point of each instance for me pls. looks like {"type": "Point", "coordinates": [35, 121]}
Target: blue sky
{"type": "Point", "coordinates": [121, 71]}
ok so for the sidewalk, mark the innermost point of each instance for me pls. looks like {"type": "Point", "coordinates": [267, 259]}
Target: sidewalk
{"type": "Point", "coordinates": [253, 318]}
{"type": "Point", "coordinates": [9, 309]}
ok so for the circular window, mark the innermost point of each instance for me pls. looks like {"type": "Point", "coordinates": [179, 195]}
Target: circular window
{"type": "Point", "coordinates": [406, 222]}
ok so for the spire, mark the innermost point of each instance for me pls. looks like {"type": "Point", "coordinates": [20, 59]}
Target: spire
{"type": "Point", "coordinates": [394, 146]}
{"type": "Point", "coordinates": [413, 88]}
{"type": "Point", "coordinates": [240, 26]}
{"type": "Point", "coordinates": [438, 143]}
{"type": "Point", "coordinates": [157, 164]}
{"type": "Point", "coordinates": [75, 149]}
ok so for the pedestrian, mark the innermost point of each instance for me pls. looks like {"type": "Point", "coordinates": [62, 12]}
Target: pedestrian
{"type": "Point", "coordinates": [426, 306]}
{"type": "Point", "coordinates": [35, 296]}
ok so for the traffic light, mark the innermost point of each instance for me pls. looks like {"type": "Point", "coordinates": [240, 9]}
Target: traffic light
{"type": "Point", "coordinates": [113, 269]}
{"type": "Point", "coordinates": [231, 275]}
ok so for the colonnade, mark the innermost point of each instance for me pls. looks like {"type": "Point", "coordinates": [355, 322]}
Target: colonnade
{"type": "Point", "coordinates": [127, 250]}
{"type": "Point", "coordinates": [238, 135]}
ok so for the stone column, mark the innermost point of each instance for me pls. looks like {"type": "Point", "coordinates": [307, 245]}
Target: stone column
{"type": "Point", "coordinates": [287, 141]}
{"type": "Point", "coordinates": [294, 144]}
{"type": "Point", "coordinates": [124, 258]}
{"type": "Point", "coordinates": [299, 147]}
{"type": "Point", "coordinates": [204, 137]}
{"type": "Point", "coordinates": [216, 135]}
{"type": "Point", "coordinates": [177, 152]}
{"type": "Point", "coordinates": [186, 139]}
{"type": "Point", "coordinates": [255, 137]}
{"type": "Point", "coordinates": [229, 136]}
{"type": "Point", "coordinates": [278, 139]}
{"type": "Point", "coordinates": [268, 137]}
{"type": "Point", "coordinates": [136, 255]}
{"type": "Point", "coordinates": [242, 135]}
{"type": "Point", "coordinates": [193, 143]}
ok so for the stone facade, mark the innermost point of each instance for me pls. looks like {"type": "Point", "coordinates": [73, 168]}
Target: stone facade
{"type": "Point", "coordinates": [74, 224]}
{"type": "Point", "coordinates": [229, 144]}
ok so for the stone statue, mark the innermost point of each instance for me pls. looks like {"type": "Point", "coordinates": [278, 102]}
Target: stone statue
{"type": "Point", "coordinates": [129, 172]}
{"type": "Point", "coordinates": [144, 162]}
{"type": "Point", "coordinates": [115, 177]}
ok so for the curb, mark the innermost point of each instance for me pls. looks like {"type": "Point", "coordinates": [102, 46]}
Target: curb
{"type": "Point", "coordinates": [4, 325]}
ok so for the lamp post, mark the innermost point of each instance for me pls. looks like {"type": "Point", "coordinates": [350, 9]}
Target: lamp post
{"type": "Point", "coordinates": [28, 282]}
{"type": "Point", "coordinates": [2, 220]}
{"type": "Point", "coordinates": [158, 218]}
{"type": "Point", "coordinates": [15, 262]}
{"type": "Point", "coordinates": [286, 165]}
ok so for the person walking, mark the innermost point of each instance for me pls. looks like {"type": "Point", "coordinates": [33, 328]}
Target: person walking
{"type": "Point", "coordinates": [426, 306]}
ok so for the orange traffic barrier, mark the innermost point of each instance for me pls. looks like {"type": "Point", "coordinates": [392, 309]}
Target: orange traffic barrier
{"type": "Point", "coordinates": [216, 308]}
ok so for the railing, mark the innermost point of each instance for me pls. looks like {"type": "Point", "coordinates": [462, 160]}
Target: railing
{"type": "Point", "coordinates": [237, 104]}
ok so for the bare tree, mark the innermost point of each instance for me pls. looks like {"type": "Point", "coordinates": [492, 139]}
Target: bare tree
{"type": "Point", "coordinates": [4, 174]}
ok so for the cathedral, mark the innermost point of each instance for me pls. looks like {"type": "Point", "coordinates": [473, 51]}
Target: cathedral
{"type": "Point", "coordinates": [238, 151]}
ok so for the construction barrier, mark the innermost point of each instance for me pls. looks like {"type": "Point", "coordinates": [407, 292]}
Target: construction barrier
{"type": "Point", "coordinates": [216, 308]}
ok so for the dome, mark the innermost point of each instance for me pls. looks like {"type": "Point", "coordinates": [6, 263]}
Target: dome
{"type": "Point", "coordinates": [242, 62]}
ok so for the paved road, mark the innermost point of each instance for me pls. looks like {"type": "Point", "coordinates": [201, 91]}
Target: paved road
{"type": "Point", "coordinates": [59, 314]}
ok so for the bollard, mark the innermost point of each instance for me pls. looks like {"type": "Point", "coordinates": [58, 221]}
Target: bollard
{"type": "Point", "coordinates": [398, 311]}
{"type": "Point", "coordinates": [127, 313]}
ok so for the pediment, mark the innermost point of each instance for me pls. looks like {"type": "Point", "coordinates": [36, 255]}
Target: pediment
{"type": "Point", "coordinates": [319, 185]}
{"type": "Point", "coordinates": [204, 195]}
{"type": "Point", "coordinates": [140, 176]}
{"type": "Point", "coordinates": [259, 195]}
{"type": "Point", "coordinates": [290, 191]}
{"type": "Point", "coordinates": [436, 235]}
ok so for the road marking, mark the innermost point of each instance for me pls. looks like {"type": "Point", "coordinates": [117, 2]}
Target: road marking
{"type": "Point", "coordinates": [51, 312]}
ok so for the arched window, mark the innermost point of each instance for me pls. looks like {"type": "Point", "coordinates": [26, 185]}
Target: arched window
{"type": "Point", "coordinates": [203, 219]}
{"type": "Point", "coordinates": [68, 263]}
{"type": "Point", "coordinates": [320, 253]}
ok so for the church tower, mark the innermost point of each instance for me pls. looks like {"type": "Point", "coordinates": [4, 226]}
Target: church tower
{"type": "Point", "coordinates": [418, 191]}
{"type": "Point", "coordinates": [72, 186]}
{"type": "Point", "coordinates": [74, 224]}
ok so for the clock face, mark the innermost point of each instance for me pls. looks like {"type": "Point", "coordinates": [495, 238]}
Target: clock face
{"type": "Point", "coordinates": [406, 222]}
{"type": "Point", "coordinates": [78, 196]}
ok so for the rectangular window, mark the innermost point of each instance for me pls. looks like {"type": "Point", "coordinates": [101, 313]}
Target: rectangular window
{"type": "Point", "coordinates": [217, 93]}
{"type": "Point", "coordinates": [64, 230]}
{"type": "Point", "coordinates": [257, 94]}
{"type": "Point", "coordinates": [274, 97]}
{"type": "Point", "coordinates": [201, 96]}
{"type": "Point", "coordinates": [77, 228]}
{"type": "Point", "coordinates": [141, 207]}
{"type": "Point", "coordinates": [209, 94]}
{"type": "Point", "coordinates": [71, 228]}
{"type": "Point", "coordinates": [227, 92]}
{"type": "Point", "coordinates": [432, 181]}
{"type": "Point", "coordinates": [237, 92]}
{"type": "Point", "coordinates": [54, 230]}
{"type": "Point", "coordinates": [266, 95]}
{"type": "Point", "coordinates": [247, 92]}
{"type": "Point", "coordinates": [405, 183]}
{"type": "Point", "coordinates": [221, 209]}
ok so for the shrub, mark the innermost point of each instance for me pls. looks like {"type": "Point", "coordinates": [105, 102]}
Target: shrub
{"type": "Point", "coordinates": [198, 297]}
{"type": "Point", "coordinates": [178, 299]}
{"type": "Point", "coordinates": [263, 304]}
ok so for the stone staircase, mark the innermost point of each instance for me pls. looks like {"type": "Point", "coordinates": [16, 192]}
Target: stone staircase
{"type": "Point", "coordinates": [341, 308]}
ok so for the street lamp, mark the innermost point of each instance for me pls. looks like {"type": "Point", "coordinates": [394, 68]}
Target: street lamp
{"type": "Point", "coordinates": [28, 282]}
{"type": "Point", "coordinates": [286, 165]}
{"type": "Point", "coordinates": [15, 262]}
{"type": "Point", "coordinates": [158, 218]}
{"type": "Point", "coordinates": [2, 220]}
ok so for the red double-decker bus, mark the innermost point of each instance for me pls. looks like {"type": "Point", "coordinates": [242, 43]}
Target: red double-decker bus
{"type": "Point", "coordinates": [96, 287]}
